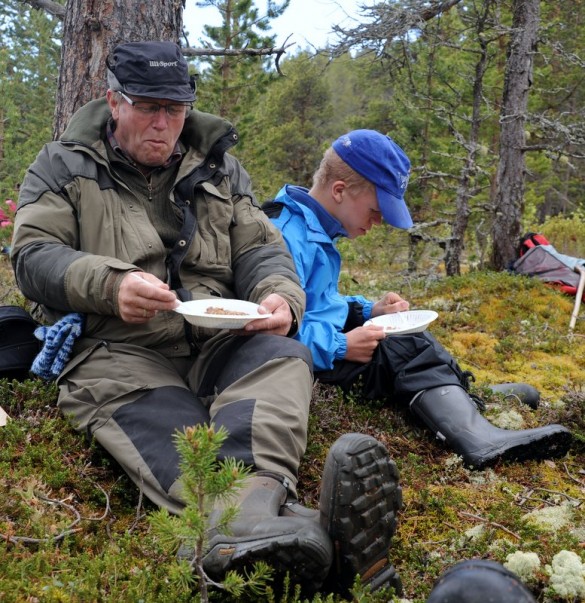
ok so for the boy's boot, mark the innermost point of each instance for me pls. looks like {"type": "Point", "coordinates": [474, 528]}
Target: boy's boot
{"type": "Point", "coordinates": [453, 417]}
{"type": "Point", "coordinates": [479, 581]}
{"type": "Point", "coordinates": [300, 547]}
{"type": "Point", "coordinates": [360, 498]}
{"type": "Point", "coordinates": [527, 394]}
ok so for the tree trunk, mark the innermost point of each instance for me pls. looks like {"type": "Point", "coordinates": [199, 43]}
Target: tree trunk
{"type": "Point", "coordinates": [509, 201]}
{"type": "Point", "coordinates": [91, 30]}
{"type": "Point", "coordinates": [467, 188]}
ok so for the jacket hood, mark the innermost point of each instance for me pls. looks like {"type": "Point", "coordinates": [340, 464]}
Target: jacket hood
{"type": "Point", "coordinates": [202, 131]}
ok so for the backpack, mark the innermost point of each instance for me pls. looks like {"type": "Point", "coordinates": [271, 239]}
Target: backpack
{"type": "Point", "coordinates": [531, 240]}
{"type": "Point", "coordinates": [537, 257]}
{"type": "Point", "coordinates": [18, 344]}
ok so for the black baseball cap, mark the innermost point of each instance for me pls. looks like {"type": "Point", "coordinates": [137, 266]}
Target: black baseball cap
{"type": "Point", "coordinates": [153, 69]}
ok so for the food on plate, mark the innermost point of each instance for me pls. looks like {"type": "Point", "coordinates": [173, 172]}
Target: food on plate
{"type": "Point", "coordinates": [224, 312]}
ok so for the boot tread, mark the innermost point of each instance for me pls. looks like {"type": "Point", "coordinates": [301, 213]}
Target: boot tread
{"type": "Point", "coordinates": [361, 510]}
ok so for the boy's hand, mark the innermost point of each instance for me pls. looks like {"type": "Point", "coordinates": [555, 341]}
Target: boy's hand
{"type": "Point", "coordinates": [389, 304]}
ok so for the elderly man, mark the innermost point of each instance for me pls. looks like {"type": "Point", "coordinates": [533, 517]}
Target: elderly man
{"type": "Point", "coordinates": [137, 206]}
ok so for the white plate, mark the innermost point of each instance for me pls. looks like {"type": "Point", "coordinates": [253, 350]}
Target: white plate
{"type": "Point", "coordinates": [197, 313]}
{"type": "Point", "coordinates": [401, 323]}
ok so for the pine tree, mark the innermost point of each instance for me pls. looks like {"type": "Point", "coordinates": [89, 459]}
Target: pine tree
{"type": "Point", "coordinates": [204, 481]}
{"type": "Point", "coordinates": [230, 85]}
{"type": "Point", "coordinates": [29, 63]}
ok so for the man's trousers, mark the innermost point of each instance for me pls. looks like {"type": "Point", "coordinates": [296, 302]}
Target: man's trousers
{"type": "Point", "coordinates": [133, 400]}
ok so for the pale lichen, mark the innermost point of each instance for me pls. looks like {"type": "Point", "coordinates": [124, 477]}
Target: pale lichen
{"type": "Point", "coordinates": [481, 478]}
{"type": "Point", "coordinates": [524, 565]}
{"type": "Point", "coordinates": [475, 532]}
{"type": "Point", "coordinates": [567, 575]}
{"type": "Point", "coordinates": [509, 419]}
{"type": "Point", "coordinates": [551, 519]}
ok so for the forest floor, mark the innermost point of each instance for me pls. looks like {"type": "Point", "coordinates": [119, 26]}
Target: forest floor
{"type": "Point", "coordinates": [74, 528]}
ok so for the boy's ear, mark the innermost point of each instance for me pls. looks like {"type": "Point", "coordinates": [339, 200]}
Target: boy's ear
{"type": "Point", "coordinates": [337, 189]}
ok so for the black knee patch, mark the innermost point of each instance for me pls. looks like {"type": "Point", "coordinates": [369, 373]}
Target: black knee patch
{"type": "Point", "coordinates": [237, 419]}
{"type": "Point", "coordinates": [150, 423]}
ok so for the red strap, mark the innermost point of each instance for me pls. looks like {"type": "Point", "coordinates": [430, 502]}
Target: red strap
{"type": "Point", "coordinates": [540, 239]}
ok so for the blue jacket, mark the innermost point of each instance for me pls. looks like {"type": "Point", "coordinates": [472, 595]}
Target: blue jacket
{"type": "Point", "coordinates": [310, 234]}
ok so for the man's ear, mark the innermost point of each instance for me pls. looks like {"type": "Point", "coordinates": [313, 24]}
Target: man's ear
{"type": "Point", "coordinates": [113, 102]}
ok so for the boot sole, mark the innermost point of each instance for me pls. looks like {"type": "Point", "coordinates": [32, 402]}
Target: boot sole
{"type": "Point", "coordinates": [555, 445]}
{"type": "Point", "coordinates": [302, 554]}
{"type": "Point", "coordinates": [359, 503]}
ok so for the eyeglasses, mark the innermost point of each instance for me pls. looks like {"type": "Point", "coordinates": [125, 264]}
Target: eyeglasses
{"type": "Point", "coordinates": [150, 109]}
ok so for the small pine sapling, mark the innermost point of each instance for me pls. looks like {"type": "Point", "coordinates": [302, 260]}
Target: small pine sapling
{"type": "Point", "coordinates": [205, 481]}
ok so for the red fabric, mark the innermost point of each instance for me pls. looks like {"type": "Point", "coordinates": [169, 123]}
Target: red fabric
{"type": "Point", "coordinates": [4, 219]}
{"type": "Point", "coordinates": [530, 240]}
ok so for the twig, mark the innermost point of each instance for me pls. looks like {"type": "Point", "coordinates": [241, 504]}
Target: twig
{"type": "Point", "coordinates": [107, 509]}
{"type": "Point", "coordinates": [27, 540]}
{"type": "Point", "coordinates": [575, 479]}
{"type": "Point", "coordinates": [69, 530]}
{"type": "Point", "coordinates": [235, 52]}
{"type": "Point", "coordinates": [138, 516]}
{"type": "Point", "coordinates": [279, 55]}
{"type": "Point", "coordinates": [492, 523]}
{"type": "Point", "coordinates": [570, 498]}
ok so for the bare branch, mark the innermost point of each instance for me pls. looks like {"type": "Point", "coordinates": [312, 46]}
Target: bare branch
{"type": "Point", "coordinates": [58, 10]}
{"type": "Point", "coordinates": [388, 21]}
{"type": "Point", "coordinates": [53, 8]}
{"type": "Point", "coordinates": [234, 52]}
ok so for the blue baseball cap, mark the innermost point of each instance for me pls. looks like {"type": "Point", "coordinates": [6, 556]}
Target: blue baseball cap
{"type": "Point", "coordinates": [380, 160]}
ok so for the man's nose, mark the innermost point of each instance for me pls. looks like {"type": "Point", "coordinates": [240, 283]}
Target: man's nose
{"type": "Point", "coordinates": [160, 119]}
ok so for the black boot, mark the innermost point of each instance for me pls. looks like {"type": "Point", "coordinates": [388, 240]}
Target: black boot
{"type": "Point", "coordinates": [453, 417]}
{"type": "Point", "coordinates": [360, 498]}
{"type": "Point", "coordinates": [300, 547]}
{"type": "Point", "coordinates": [525, 393]}
{"type": "Point", "coordinates": [479, 581]}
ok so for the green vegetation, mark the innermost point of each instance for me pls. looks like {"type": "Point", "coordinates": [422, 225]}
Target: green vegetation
{"type": "Point", "coordinates": [205, 481]}
{"type": "Point", "coordinates": [75, 529]}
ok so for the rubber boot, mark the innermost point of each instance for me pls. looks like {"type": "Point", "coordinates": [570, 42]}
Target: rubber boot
{"type": "Point", "coordinates": [452, 416]}
{"type": "Point", "coordinates": [479, 581]}
{"type": "Point", "coordinates": [288, 544]}
{"type": "Point", "coordinates": [293, 508]}
{"type": "Point", "coordinates": [525, 393]}
{"type": "Point", "coordinates": [360, 498]}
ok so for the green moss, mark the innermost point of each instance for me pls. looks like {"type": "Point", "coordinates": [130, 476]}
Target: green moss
{"type": "Point", "coordinates": [498, 326]}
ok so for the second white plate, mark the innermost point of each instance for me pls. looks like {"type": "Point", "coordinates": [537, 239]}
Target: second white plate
{"type": "Point", "coordinates": [220, 313]}
{"type": "Point", "coordinates": [412, 321]}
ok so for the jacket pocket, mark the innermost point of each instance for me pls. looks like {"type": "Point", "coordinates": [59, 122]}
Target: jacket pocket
{"type": "Point", "coordinates": [211, 245]}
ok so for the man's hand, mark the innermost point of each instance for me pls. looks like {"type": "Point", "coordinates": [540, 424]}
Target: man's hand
{"type": "Point", "coordinates": [389, 304]}
{"type": "Point", "coordinates": [361, 343]}
{"type": "Point", "coordinates": [142, 296]}
{"type": "Point", "coordinates": [278, 324]}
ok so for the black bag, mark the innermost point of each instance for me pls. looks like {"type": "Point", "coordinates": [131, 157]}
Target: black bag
{"type": "Point", "coordinates": [18, 344]}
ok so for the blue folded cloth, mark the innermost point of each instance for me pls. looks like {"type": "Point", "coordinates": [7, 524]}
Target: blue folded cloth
{"type": "Point", "coordinates": [59, 339]}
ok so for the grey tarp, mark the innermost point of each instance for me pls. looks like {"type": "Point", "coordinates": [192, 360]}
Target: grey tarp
{"type": "Point", "coordinates": [547, 264]}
